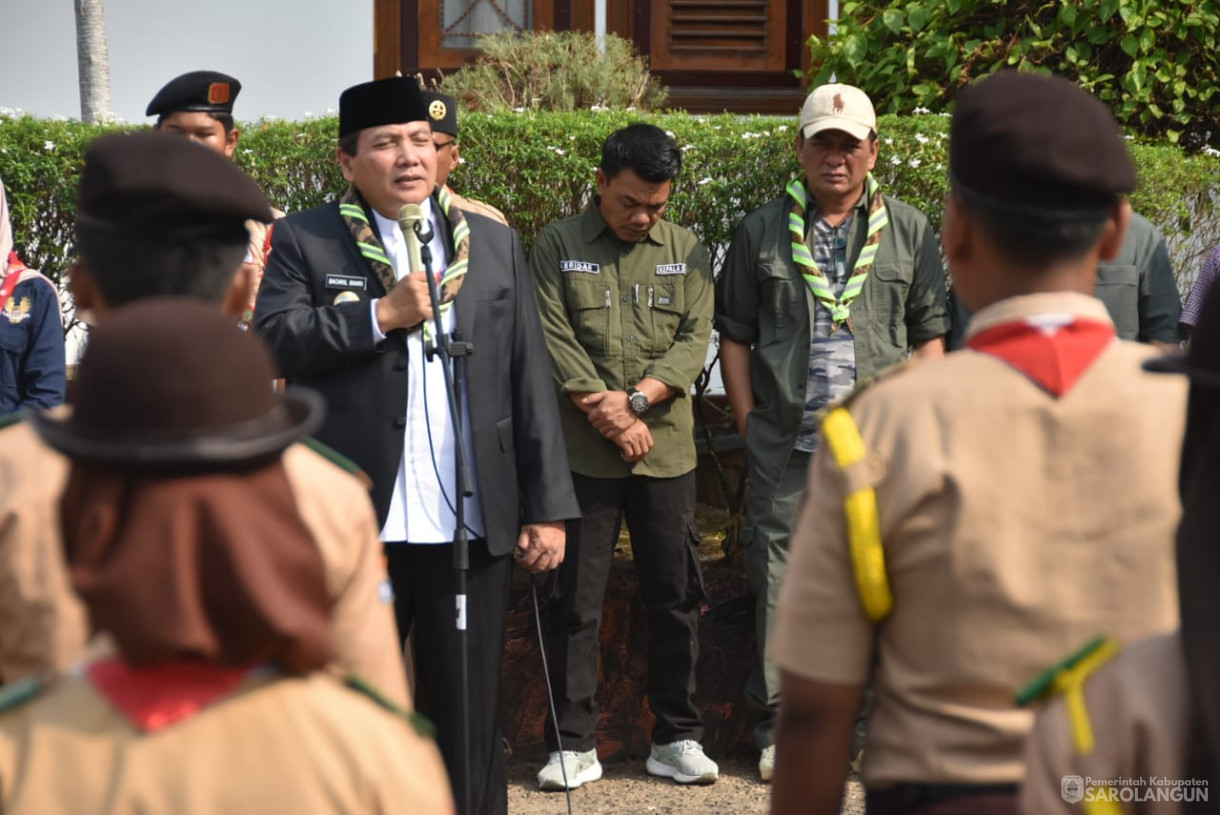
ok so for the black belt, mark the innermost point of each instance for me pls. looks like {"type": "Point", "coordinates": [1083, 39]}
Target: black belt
{"type": "Point", "coordinates": [906, 797]}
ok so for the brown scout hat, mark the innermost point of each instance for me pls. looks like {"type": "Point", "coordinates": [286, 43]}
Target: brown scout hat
{"type": "Point", "coordinates": [172, 384]}
{"type": "Point", "coordinates": [1038, 141]}
{"type": "Point", "coordinates": [152, 184]}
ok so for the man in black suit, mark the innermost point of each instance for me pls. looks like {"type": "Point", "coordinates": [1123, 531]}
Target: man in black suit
{"type": "Point", "coordinates": [345, 314]}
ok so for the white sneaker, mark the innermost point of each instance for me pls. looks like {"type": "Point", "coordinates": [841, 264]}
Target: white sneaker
{"type": "Point", "coordinates": [580, 769]}
{"type": "Point", "coordinates": [766, 763]}
{"type": "Point", "coordinates": [683, 761]}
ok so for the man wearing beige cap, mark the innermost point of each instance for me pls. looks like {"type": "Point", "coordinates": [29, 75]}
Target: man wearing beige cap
{"type": "Point", "coordinates": [827, 285]}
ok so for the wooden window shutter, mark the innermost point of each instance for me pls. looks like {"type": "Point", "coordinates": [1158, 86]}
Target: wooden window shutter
{"type": "Point", "coordinates": [718, 35]}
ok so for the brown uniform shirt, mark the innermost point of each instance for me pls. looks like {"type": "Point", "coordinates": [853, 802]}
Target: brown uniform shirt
{"type": "Point", "coordinates": [43, 625]}
{"type": "Point", "coordinates": [278, 745]}
{"type": "Point", "coordinates": [1140, 714]}
{"type": "Point", "coordinates": [1015, 525]}
{"type": "Point", "coordinates": [479, 208]}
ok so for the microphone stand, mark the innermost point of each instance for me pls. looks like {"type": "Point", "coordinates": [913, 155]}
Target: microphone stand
{"type": "Point", "coordinates": [453, 351]}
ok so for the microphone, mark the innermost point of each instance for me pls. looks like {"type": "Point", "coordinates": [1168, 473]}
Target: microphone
{"type": "Point", "coordinates": [411, 220]}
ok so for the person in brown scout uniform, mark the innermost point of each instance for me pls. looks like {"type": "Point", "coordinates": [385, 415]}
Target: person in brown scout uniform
{"type": "Point", "coordinates": [442, 115]}
{"type": "Point", "coordinates": [970, 519]}
{"type": "Point", "coordinates": [183, 539]}
{"type": "Point", "coordinates": [160, 216]}
{"type": "Point", "coordinates": [199, 105]}
{"type": "Point", "coordinates": [1151, 714]}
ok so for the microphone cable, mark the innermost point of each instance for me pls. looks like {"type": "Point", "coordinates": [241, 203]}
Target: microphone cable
{"type": "Point", "coordinates": [550, 696]}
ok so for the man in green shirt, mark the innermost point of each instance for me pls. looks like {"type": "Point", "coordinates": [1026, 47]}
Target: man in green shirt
{"type": "Point", "coordinates": [825, 286]}
{"type": "Point", "coordinates": [626, 305]}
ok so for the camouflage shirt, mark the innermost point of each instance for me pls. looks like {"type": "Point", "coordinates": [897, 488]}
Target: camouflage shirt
{"type": "Point", "coordinates": [832, 356]}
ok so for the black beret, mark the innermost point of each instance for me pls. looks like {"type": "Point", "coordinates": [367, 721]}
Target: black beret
{"type": "Point", "coordinates": [154, 183]}
{"type": "Point", "coordinates": [1037, 140]}
{"type": "Point", "coordinates": [442, 113]}
{"type": "Point", "coordinates": [392, 101]}
{"type": "Point", "coordinates": [204, 91]}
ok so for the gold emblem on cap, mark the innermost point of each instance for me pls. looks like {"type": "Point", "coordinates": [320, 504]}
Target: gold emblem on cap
{"type": "Point", "coordinates": [346, 297]}
{"type": "Point", "coordinates": [437, 110]}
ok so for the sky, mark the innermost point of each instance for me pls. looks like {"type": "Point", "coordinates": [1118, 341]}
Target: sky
{"type": "Point", "coordinates": [293, 57]}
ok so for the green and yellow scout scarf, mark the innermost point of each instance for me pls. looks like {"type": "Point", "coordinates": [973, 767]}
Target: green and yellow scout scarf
{"type": "Point", "coordinates": [352, 210]}
{"type": "Point", "coordinates": [819, 283]}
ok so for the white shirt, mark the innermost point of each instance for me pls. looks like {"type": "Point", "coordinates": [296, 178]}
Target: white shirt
{"type": "Point", "coordinates": [421, 505]}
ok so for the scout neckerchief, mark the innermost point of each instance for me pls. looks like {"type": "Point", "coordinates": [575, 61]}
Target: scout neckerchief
{"type": "Point", "coordinates": [1053, 353]}
{"type": "Point", "coordinates": [9, 284]}
{"type": "Point", "coordinates": [351, 208]}
{"type": "Point", "coordinates": [819, 283]}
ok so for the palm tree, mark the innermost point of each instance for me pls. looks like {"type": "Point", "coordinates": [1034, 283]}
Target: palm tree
{"type": "Point", "coordinates": [93, 61]}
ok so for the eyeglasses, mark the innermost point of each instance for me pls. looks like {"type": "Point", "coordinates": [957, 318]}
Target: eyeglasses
{"type": "Point", "coordinates": [441, 145]}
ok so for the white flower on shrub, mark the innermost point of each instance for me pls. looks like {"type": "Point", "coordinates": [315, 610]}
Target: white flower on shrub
{"type": "Point", "coordinates": [917, 111]}
{"type": "Point", "coordinates": [686, 147]}
{"type": "Point", "coordinates": [888, 141]}
{"type": "Point", "coordinates": [895, 160]}
{"type": "Point", "coordinates": [557, 150]}
{"type": "Point", "coordinates": [48, 146]}
{"type": "Point", "coordinates": [921, 138]}
{"type": "Point", "coordinates": [749, 135]}
{"type": "Point", "coordinates": [782, 129]}
{"type": "Point", "coordinates": [914, 162]}
{"type": "Point", "coordinates": [703, 181]}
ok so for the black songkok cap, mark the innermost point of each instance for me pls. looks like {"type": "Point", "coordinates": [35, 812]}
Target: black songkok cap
{"type": "Point", "coordinates": [392, 101]}
{"type": "Point", "coordinates": [205, 91]}
{"type": "Point", "coordinates": [152, 184]}
{"type": "Point", "coordinates": [1027, 139]}
{"type": "Point", "coordinates": [442, 113]}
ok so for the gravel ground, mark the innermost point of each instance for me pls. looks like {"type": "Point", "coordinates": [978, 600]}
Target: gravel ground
{"type": "Point", "coordinates": [627, 788]}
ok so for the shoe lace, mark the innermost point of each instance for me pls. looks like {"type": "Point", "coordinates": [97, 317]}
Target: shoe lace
{"type": "Point", "coordinates": [690, 747]}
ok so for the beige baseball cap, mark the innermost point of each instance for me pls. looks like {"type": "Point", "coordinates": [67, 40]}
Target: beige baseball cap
{"type": "Point", "coordinates": [838, 107]}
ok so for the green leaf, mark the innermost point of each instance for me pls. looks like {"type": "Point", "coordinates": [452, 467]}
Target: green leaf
{"type": "Point", "coordinates": [892, 18]}
{"type": "Point", "coordinates": [1130, 45]}
{"type": "Point", "coordinates": [1147, 39]}
{"type": "Point", "coordinates": [918, 15]}
{"type": "Point", "coordinates": [1108, 7]}
{"type": "Point", "coordinates": [1067, 13]}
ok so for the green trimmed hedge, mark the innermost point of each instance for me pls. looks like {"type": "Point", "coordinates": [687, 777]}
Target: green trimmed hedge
{"type": "Point", "coordinates": [538, 167]}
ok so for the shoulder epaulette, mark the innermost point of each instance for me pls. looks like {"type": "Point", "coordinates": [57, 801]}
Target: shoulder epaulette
{"type": "Point", "coordinates": [11, 419]}
{"type": "Point", "coordinates": [417, 721]}
{"type": "Point", "coordinates": [1067, 678]}
{"type": "Point", "coordinates": [1079, 664]}
{"type": "Point", "coordinates": [335, 457]}
{"type": "Point", "coordinates": [842, 437]}
{"type": "Point", "coordinates": [16, 693]}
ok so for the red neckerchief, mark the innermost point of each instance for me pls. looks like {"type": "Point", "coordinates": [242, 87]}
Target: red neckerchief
{"type": "Point", "coordinates": [9, 284]}
{"type": "Point", "coordinates": [154, 698]}
{"type": "Point", "coordinates": [1052, 354]}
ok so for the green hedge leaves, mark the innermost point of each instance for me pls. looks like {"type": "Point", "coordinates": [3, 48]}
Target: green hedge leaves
{"type": "Point", "coordinates": [539, 166]}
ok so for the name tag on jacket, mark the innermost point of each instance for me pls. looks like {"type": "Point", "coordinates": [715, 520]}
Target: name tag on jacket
{"type": "Point", "coordinates": [582, 266]}
{"type": "Point", "coordinates": [338, 281]}
{"type": "Point", "coordinates": [672, 268]}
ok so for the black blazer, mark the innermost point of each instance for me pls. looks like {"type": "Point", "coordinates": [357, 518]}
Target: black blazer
{"type": "Point", "coordinates": [521, 465]}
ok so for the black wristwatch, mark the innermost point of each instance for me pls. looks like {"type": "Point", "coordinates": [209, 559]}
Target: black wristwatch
{"type": "Point", "coordinates": [638, 401]}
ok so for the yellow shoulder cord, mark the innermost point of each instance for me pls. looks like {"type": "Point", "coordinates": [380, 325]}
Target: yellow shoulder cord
{"type": "Point", "coordinates": [1067, 678]}
{"type": "Point", "coordinates": [1070, 683]}
{"type": "Point", "coordinates": [863, 523]}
